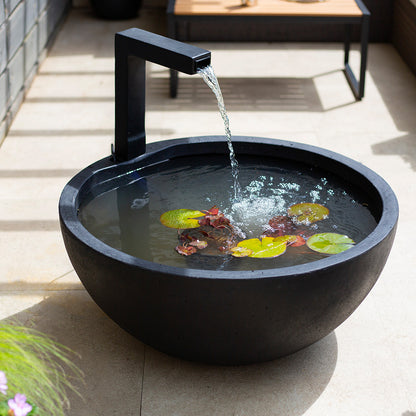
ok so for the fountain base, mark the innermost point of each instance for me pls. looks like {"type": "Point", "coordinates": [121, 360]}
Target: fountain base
{"type": "Point", "coordinates": [228, 317]}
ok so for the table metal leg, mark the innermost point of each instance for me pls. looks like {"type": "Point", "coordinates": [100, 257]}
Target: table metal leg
{"type": "Point", "coordinates": [358, 86]}
{"type": "Point", "coordinates": [365, 29]}
{"type": "Point", "coordinates": [352, 80]}
{"type": "Point", "coordinates": [347, 43]}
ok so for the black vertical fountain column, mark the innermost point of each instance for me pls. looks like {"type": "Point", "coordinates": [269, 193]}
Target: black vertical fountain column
{"type": "Point", "coordinates": [132, 48]}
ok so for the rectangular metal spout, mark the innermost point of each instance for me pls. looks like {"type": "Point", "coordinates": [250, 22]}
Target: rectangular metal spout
{"type": "Point", "coordinates": [133, 47]}
{"type": "Point", "coordinates": [163, 51]}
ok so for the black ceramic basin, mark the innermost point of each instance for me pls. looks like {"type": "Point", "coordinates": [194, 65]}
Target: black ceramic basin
{"type": "Point", "coordinates": [228, 317]}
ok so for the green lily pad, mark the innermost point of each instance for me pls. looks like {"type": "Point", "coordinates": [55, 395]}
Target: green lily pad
{"type": "Point", "coordinates": [307, 213]}
{"type": "Point", "coordinates": [181, 218]}
{"type": "Point", "coordinates": [329, 243]}
{"type": "Point", "coordinates": [241, 251]}
{"type": "Point", "coordinates": [267, 247]}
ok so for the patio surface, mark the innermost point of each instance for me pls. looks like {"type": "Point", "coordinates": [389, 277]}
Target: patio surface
{"type": "Point", "coordinates": [366, 367]}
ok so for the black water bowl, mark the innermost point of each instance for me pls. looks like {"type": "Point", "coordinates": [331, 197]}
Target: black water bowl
{"type": "Point", "coordinates": [229, 317]}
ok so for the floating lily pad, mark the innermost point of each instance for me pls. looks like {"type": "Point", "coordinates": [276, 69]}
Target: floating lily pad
{"type": "Point", "coordinates": [307, 213]}
{"type": "Point", "coordinates": [186, 250]}
{"type": "Point", "coordinates": [181, 218]}
{"type": "Point", "coordinates": [281, 225]}
{"type": "Point", "coordinates": [210, 241]}
{"type": "Point", "coordinates": [267, 247]}
{"type": "Point", "coordinates": [199, 244]}
{"type": "Point", "coordinates": [213, 211]}
{"type": "Point", "coordinates": [241, 251]}
{"type": "Point", "coordinates": [329, 243]}
{"type": "Point", "coordinates": [297, 241]}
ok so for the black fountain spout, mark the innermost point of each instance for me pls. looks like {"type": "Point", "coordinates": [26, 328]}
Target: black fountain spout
{"type": "Point", "coordinates": [133, 47]}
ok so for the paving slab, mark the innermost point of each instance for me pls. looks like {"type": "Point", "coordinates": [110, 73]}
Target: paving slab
{"type": "Point", "coordinates": [288, 386]}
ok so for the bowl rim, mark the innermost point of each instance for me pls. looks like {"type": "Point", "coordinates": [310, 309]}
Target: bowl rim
{"type": "Point", "coordinates": [69, 203]}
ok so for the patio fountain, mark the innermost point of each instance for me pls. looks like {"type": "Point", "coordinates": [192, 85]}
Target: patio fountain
{"type": "Point", "coordinates": [213, 314]}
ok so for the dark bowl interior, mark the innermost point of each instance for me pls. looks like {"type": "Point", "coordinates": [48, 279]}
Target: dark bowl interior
{"type": "Point", "coordinates": [228, 317]}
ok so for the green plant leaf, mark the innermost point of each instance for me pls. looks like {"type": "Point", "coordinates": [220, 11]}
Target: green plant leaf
{"type": "Point", "coordinates": [38, 367]}
{"type": "Point", "coordinates": [329, 243]}
{"type": "Point", "coordinates": [181, 218]}
{"type": "Point", "coordinates": [267, 247]}
{"type": "Point", "coordinates": [307, 213]}
{"type": "Point", "coordinates": [4, 408]}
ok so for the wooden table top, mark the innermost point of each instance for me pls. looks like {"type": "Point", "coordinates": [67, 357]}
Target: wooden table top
{"type": "Point", "coordinates": [344, 8]}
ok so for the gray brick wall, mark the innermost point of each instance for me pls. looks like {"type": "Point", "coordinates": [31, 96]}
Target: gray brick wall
{"type": "Point", "coordinates": [26, 29]}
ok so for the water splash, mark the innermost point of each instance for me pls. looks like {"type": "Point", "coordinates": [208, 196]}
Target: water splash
{"type": "Point", "coordinates": [208, 75]}
{"type": "Point", "coordinates": [262, 199]}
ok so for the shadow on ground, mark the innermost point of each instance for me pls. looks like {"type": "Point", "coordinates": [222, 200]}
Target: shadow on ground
{"type": "Point", "coordinates": [240, 94]}
{"type": "Point", "coordinates": [287, 386]}
{"type": "Point", "coordinates": [394, 82]}
{"type": "Point", "coordinates": [403, 146]}
{"type": "Point", "coordinates": [123, 376]}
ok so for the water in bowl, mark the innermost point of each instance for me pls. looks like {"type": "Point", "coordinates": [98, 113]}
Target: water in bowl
{"type": "Point", "coordinates": [127, 216]}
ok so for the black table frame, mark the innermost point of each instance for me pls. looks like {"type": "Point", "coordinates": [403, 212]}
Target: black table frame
{"type": "Point", "coordinates": [357, 86]}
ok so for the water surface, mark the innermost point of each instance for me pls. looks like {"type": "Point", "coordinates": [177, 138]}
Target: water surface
{"type": "Point", "coordinates": [127, 217]}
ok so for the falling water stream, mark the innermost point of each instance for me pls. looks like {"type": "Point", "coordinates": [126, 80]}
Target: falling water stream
{"type": "Point", "coordinates": [211, 80]}
{"type": "Point", "coordinates": [248, 205]}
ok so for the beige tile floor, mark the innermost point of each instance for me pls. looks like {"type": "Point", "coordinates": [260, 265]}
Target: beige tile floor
{"type": "Point", "coordinates": [287, 91]}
